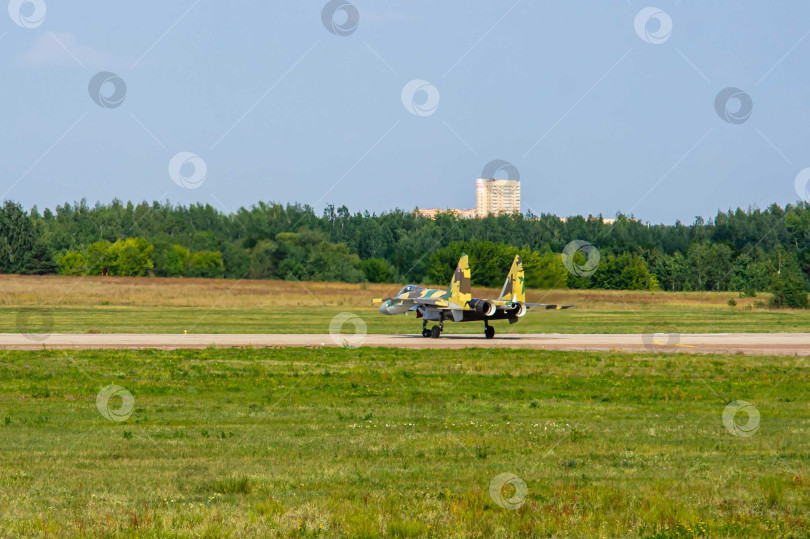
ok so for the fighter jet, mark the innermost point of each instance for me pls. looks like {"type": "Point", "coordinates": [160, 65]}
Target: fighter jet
{"type": "Point", "coordinates": [457, 304]}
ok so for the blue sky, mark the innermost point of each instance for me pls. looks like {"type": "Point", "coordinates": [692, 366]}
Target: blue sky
{"type": "Point", "coordinates": [596, 117]}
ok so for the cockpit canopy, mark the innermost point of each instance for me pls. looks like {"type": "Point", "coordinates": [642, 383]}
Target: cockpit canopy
{"type": "Point", "coordinates": [407, 289]}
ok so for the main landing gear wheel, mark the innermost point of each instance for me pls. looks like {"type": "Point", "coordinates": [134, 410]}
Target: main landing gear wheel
{"type": "Point", "coordinates": [426, 333]}
{"type": "Point", "coordinates": [489, 332]}
{"type": "Point", "coordinates": [435, 331]}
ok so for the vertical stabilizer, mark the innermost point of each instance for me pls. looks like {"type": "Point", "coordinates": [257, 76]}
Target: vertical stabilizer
{"type": "Point", "coordinates": [460, 291]}
{"type": "Point", "coordinates": [514, 289]}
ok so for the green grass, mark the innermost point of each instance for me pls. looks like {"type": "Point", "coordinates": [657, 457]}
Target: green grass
{"type": "Point", "coordinates": [368, 442]}
{"type": "Point", "coordinates": [643, 319]}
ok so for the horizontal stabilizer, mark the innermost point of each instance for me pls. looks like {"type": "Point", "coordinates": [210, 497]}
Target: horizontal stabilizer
{"type": "Point", "coordinates": [549, 306]}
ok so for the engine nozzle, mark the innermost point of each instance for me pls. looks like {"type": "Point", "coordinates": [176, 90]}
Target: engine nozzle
{"type": "Point", "coordinates": [483, 307]}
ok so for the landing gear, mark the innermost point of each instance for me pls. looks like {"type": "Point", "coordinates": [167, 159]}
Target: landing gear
{"type": "Point", "coordinates": [489, 331]}
{"type": "Point", "coordinates": [435, 331]}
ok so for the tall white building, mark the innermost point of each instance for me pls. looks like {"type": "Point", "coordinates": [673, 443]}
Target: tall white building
{"type": "Point", "coordinates": [496, 196]}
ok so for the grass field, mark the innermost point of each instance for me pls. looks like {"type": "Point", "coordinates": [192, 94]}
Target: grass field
{"type": "Point", "coordinates": [368, 442]}
{"type": "Point", "coordinates": [153, 305]}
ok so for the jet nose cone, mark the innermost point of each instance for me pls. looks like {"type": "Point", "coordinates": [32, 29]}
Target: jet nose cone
{"type": "Point", "coordinates": [384, 308]}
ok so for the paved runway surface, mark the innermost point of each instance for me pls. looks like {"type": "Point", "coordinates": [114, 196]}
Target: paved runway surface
{"type": "Point", "coordinates": [747, 343]}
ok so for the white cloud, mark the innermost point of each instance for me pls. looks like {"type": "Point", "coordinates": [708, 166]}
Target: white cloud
{"type": "Point", "coordinates": [62, 49]}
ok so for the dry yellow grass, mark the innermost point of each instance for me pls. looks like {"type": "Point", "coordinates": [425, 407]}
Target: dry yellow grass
{"type": "Point", "coordinates": [64, 304]}
{"type": "Point", "coordinates": [25, 290]}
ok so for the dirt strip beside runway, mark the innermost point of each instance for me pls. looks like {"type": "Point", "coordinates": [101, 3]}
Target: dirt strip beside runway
{"type": "Point", "coordinates": [732, 343]}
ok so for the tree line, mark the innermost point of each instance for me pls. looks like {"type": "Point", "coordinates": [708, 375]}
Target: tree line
{"type": "Point", "coordinates": [742, 250]}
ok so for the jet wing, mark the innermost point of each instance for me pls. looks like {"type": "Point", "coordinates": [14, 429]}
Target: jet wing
{"type": "Point", "coordinates": [439, 303]}
{"type": "Point", "coordinates": [433, 302]}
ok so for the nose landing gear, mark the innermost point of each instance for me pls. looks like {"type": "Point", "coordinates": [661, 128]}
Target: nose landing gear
{"type": "Point", "coordinates": [433, 332]}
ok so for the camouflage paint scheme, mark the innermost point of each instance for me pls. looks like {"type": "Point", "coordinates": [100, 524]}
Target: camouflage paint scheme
{"type": "Point", "coordinates": [457, 304]}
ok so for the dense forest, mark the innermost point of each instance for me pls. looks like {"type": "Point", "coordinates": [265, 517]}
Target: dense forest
{"type": "Point", "coordinates": [744, 250]}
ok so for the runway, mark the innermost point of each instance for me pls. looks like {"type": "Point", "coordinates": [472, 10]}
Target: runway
{"type": "Point", "coordinates": [727, 343]}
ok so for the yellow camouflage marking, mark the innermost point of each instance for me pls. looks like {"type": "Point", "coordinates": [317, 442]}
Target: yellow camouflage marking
{"type": "Point", "coordinates": [514, 289]}
{"type": "Point", "coordinates": [460, 292]}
